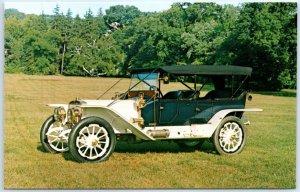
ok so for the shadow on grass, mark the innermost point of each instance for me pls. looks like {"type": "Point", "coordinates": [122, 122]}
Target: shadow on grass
{"type": "Point", "coordinates": [41, 149]}
{"type": "Point", "coordinates": [66, 155]}
{"type": "Point", "coordinates": [152, 147]}
{"type": "Point", "coordinates": [160, 147]}
{"type": "Point", "coordinates": [283, 93]}
{"type": "Point", "coordinates": [146, 147]}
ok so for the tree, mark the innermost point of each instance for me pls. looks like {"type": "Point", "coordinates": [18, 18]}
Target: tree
{"type": "Point", "coordinates": [38, 55]}
{"type": "Point", "coordinates": [122, 14]}
{"type": "Point", "coordinates": [260, 41]}
{"type": "Point", "coordinates": [260, 35]}
{"type": "Point", "coordinates": [14, 13]}
{"type": "Point", "coordinates": [14, 32]}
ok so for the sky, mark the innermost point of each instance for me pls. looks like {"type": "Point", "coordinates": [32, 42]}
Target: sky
{"type": "Point", "coordinates": [80, 7]}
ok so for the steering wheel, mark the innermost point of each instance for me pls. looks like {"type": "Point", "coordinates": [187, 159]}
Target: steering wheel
{"type": "Point", "coordinates": [153, 88]}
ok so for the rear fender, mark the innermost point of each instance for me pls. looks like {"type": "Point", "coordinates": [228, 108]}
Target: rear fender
{"type": "Point", "coordinates": [215, 121]}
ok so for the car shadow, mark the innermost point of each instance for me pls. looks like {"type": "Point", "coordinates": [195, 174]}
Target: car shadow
{"type": "Point", "coordinates": [146, 147]}
{"type": "Point", "coordinates": [152, 147]}
{"type": "Point", "coordinates": [161, 147]}
{"type": "Point", "coordinates": [208, 147]}
{"type": "Point", "coordinates": [149, 146]}
{"type": "Point", "coordinates": [41, 149]}
{"type": "Point", "coordinates": [68, 157]}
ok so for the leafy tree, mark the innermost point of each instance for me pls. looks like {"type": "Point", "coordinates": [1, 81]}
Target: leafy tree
{"type": "Point", "coordinates": [14, 31]}
{"type": "Point", "coordinates": [259, 35]}
{"type": "Point", "coordinates": [38, 55]}
{"type": "Point", "coordinates": [14, 13]}
{"type": "Point", "coordinates": [258, 42]}
{"type": "Point", "coordinates": [122, 14]}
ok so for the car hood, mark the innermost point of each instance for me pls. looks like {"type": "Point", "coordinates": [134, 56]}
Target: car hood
{"type": "Point", "coordinates": [100, 103]}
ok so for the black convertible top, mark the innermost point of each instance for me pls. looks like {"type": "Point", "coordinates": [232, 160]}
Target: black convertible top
{"type": "Point", "coordinates": [199, 70]}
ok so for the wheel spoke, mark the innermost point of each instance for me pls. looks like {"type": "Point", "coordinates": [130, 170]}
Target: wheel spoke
{"type": "Point", "coordinates": [231, 146]}
{"type": "Point", "coordinates": [85, 150]}
{"type": "Point", "coordinates": [96, 151]}
{"type": "Point", "coordinates": [83, 135]}
{"type": "Point", "coordinates": [99, 146]}
{"type": "Point", "coordinates": [91, 152]}
{"type": "Point", "coordinates": [98, 132]}
{"type": "Point", "coordinates": [84, 145]}
{"type": "Point", "coordinates": [51, 141]}
{"type": "Point", "coordinates": [93, 130]}
{"type": "Point", "coordinates": [101, 137]}
{"type": "Point", "coordinates": [88, 131]}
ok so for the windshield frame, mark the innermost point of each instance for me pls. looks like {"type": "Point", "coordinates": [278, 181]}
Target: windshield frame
{"type": "Point", "coordinates": [144, 81]}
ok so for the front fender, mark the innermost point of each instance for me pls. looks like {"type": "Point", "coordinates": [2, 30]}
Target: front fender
{"type": "Point", "coordinates": [119, 122]}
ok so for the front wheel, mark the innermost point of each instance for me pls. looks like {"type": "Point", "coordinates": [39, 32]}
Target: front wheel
{"type": "Point", "coordinates": [230, 136]}
{"type": "Point", "coordinates": [92, 140]}
{"type": "Point", "coordinates": [53, 136]}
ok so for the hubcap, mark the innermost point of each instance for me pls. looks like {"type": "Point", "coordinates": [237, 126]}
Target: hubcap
{"type": "Point", "coordinates": [230, 137]}
{"type": "Point", "coordinates": [92, 141]}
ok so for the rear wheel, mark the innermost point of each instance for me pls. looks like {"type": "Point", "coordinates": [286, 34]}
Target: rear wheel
{"type": "Point", "coordinates": [92, 140]}
{"type": "Point", "coordinates": [189, 145]}
{"type": "Point", "coordinates": [230, 136]}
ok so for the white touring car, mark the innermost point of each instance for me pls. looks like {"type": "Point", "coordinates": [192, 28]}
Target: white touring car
{"type": "Point", "coordinates": [212, 109]}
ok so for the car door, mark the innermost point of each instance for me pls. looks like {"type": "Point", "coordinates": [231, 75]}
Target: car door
{"type": "Point", "coordinates": [184, 112]}
{"type": "Point", "coordinates": [168, 111]}
{"type": "Point", "coordinates": [204, 111]}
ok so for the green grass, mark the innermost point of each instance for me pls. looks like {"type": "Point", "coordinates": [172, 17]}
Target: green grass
{"type": "Point", "coordinates": [268, 160]}
{"type": "Point", "coordinates": [284, 93]}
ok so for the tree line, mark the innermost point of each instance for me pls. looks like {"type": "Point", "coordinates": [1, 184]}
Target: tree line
{"type": "Point", "coordinates": [259, 35]}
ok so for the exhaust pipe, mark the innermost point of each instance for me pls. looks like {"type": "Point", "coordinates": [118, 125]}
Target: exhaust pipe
{"type": "Point", "coordinates": [159, 133]}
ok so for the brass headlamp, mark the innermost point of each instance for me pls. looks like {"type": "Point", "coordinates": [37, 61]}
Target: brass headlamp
{"type": "Point", "coordinates": [59, 114]}
{"type": "Point", "coordinates": [74, 114]}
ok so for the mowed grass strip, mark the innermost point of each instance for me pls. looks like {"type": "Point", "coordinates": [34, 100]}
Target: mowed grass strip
{"type": "Point", "coordinates": [268, 160]}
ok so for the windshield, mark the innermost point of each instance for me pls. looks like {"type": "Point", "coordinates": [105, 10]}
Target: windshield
{"type": "Point", "coordinates": [148, 81]}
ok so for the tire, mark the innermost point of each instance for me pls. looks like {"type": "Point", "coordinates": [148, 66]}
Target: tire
{"type": "Point", "coordinates": [92, 140]}
{"type": "Point", "coordinates": [230, 136]}
{"type": "Point", "coordinates": [51, 143]}
{"type": "Point", "coordinates": [190, 145]}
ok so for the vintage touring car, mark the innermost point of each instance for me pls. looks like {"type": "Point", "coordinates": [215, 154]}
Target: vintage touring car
{"type": "Point", "coordinates": [211, 106]}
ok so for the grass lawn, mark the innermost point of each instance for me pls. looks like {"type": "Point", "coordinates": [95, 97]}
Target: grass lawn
{"type": "Point", "coordinates": [268, 160]}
